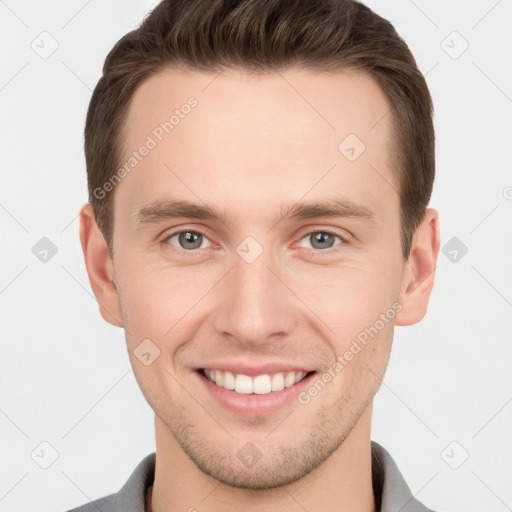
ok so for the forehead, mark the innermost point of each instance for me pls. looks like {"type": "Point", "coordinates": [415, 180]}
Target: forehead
{"type": "Point", "coordinates": [329, 102]}
{"type": "Point", "coordinates": [250, 138]}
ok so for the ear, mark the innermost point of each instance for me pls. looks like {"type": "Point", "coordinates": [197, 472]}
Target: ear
{"type": "Point", "coordinates": [419, 271]}
{"type": "Point", "coordinates": [99, 266]}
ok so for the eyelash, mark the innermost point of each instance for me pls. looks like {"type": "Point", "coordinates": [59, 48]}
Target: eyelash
{"type": "Point", "coordinates": [196, 252]}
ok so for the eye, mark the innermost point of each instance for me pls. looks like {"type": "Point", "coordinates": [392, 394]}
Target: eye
{"type": "Point", "coordinates": [322, 239]}
{"type": "Point", "coordinates": [187, 240]}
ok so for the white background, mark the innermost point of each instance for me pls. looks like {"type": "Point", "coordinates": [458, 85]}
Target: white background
{"type": "Point", "coordinates": [65, 375]}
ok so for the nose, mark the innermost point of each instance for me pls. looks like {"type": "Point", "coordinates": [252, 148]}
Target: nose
{"type": "Point", "coordinates": [254, 304]}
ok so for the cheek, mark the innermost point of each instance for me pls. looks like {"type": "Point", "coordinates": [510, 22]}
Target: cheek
{"type": "Point", "coordinates": [359, 364]}
{"type": "Point", "coordinates": [358, 304]}
{"type": "Point", "coordinates": [158, 301]}
{"type": "Point", "coordinates": [348, 299]}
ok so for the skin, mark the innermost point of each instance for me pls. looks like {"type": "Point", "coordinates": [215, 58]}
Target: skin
{"type": "Point", "coordinates": [252, 146]}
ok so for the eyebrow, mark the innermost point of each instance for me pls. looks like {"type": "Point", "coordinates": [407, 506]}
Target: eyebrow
{"type": "Point", "coordinates": [161, 210]}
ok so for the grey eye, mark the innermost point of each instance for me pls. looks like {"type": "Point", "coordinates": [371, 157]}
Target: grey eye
{"type": "Point", "coordinates": [188, 240]}
{"type": "Point", "coordinates": [321, 239]}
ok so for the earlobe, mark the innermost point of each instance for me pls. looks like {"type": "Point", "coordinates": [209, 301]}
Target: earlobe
{"type": "Point", "coordinates": [419, 272]}
{"type": "Point", "coordinates": [99, 267]}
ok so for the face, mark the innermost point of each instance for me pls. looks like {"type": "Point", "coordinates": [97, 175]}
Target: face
{"type": "Point", "coordinates": [253, 236]}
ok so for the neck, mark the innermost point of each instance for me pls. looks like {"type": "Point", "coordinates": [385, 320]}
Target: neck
{"type": "Point", "coordinates": [342, 482]}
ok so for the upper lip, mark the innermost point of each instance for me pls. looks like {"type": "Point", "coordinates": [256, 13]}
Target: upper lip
{"type": "Point", "coordinates": [253, 370]}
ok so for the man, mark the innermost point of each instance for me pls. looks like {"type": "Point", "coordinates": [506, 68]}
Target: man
{"type": "Point", "coordinates": [259, 175]}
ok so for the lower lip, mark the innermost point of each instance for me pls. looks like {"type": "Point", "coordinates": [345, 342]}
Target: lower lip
{"type": "Point", "coordinates": [254, 405]}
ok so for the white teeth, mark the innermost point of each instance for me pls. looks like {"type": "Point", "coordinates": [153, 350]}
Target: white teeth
{"type": "Point", "coordinates": [277, 382]}
{"type": "Point", "coordinates": [260, 385]}
{"type": "Point", "coordinates": [289, 380]}
{"type": "Point", "coordinates": [219, 378]}
{"type": "Point", "coordinates": [229, 380]}
{"type": "Point", "coordinates": [243, 384]}
{"type": "Point", "coordinates": [299, 376]}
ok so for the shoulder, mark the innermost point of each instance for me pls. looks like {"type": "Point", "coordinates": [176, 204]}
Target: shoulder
{"type": "Point", "coordinates": [390, 488]}
{"type": "Point", "coordinates": [131, 497]}
{"type": "Point", "coordinates": [105, 504]}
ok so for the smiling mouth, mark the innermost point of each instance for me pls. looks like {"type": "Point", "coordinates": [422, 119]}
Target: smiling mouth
{"type": "Point", "coordinates": [259, 385]}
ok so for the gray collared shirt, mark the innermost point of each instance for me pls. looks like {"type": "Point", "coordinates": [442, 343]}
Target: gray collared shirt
{"type": "Point", "coordinates": [391, 492]}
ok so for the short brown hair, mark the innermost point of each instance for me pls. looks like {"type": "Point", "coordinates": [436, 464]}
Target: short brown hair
{"type": "Point", "coordinates": [256, 35]}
